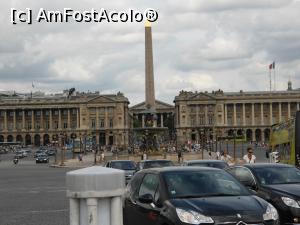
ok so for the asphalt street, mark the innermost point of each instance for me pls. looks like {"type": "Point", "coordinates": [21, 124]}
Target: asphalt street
{"type": "Point", "coordinates": [32, 194]}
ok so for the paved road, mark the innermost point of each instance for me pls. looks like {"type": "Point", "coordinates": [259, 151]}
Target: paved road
{"type": "Point", "coordinates": [32, 194]}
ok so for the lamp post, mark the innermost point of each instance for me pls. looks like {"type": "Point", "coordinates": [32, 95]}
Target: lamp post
{"type": "Point", "coordinates": [63, 140]}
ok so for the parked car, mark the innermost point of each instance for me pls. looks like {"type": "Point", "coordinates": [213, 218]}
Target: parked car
{"type": "Point", "coordinates": [128, 166]}
{"type": "Point", "coordinates": [42, 158]}
{"type": "Point", "coordinates": [278, 184]}
{"type": "Point", "coordinates": [51, 152]}
{"type": "Point", "coordinates": [207, 163]}
{"type": "Point", "coordinates": [147, 164]}
{"type": "Point", "coordinates": [39, 152]}
{"type": "Point", "coordinates": [192, 195]}
{"type": "Point", "coordinates": [21, 154]}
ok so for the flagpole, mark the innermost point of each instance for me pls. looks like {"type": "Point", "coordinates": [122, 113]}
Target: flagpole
{"type": "Point", "coordinates": [270, 76]}
{"type": "Point", "coordinates": [274, 76]}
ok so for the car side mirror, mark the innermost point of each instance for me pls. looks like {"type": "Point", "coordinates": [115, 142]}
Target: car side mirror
{"type": "Point", "coordinates": [146, 199]}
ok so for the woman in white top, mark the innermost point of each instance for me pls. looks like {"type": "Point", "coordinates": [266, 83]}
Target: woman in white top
{"type": "Point", "coordinates": [249, 157]}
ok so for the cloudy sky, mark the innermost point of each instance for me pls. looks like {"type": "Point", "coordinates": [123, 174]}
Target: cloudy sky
{"type": "Point", "coordinates": [201, 45]}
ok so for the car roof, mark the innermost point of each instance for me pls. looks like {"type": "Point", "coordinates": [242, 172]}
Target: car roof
{"type": "Point", "coordinates": [156, 160]}
{"type": "Point", "coordinates": [121, 161]}
{"type": "Point", "coordinates": [179, 169]}
{"type": "Point", "coordinates": [205, 161]}
{"type": "Point", "coordinates": [266, 165]}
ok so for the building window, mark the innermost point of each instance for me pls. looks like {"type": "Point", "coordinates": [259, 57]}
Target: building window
{"type": "Point", "coordinates": [65, 112]}
{"type": "Point", "coordinates": [38, 113]}
{"type": "Point", "coordinates": [202, 120]}
{"type": "Point", "coordinates": [65, 125]}
{"type": "Point", "coordinates": [93, 124]}
{"type": "Point", "coordinates": [10, 126]}
{"type": "Point", "coordinates": [47, 112]}
{"type": "Point", "coordinates": [28, 126]}
{"type": "Point", "coordinates": [29, 113]}
{"type": "Point", "coordinates": [47, 125]}
{"type": "Point", "coordinates": [11, 114]}
{"type": "Point", "coordinates": [92, 110]}
{"type": "Point", "coordinates": [74, 111]}
{"type": "Point", "coordinates": [37, 125]}
{"type": "Point", "coordinates": [210, 120]}
{"type": "Point", "coordinates": [56, 112]}
{"type": "Point", "coordinates": [111, 123]}
{"type": "Point", "coordinates": [102, 123]}
{"type": "Point", "coordinates": [102, 110]}
{"type": "Point", "coordinates": [55, 124]}
{"type": "Point", "coordinates": [110, 110]}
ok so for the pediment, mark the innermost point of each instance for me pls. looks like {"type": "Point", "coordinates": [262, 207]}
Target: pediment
{"type": "Point", "coordinates": [101, 99]}
{"type": "Point", "coordinates": [201, 96]}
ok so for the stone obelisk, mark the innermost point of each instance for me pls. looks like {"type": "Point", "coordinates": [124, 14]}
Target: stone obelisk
{"type": "Point", "coordinates": [149, 79]}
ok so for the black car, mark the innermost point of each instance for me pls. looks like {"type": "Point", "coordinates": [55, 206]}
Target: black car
{"type": "Point", "coordinates": [147, 164]}
{"type": "Point", "coordinates": [38, 152]}
{"type": "Point", "coordinates": [278, 184]}
{"type": "Point", "coordinates": [192, 195]}
{"type": "Point", "coordinates": [42, 158]}
{"type": "Point", "coordinates": [220, 164]}
{"type": "Point", "coordinates": [127, 165]}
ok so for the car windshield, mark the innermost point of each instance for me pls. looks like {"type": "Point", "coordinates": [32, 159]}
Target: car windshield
{"type": "Point", "coordinates": [123, 165]}
{"type": "Point", "coordinates": [156, 164]}
{"type": "Point", "coordinates": [193, 184]}
{"type": "Point", "coordinates": [219, 165]}
{"type": "Point", "coordinates": [275, 175]}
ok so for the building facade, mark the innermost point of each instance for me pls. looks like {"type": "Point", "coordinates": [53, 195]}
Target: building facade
{"type": "Point", "coordinates": [221, 114]}
{"type": "Point", "coordinates": [40, 119]}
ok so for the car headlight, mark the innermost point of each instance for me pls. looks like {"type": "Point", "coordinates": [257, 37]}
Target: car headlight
{"type": "Point", "coordinates": [271, 213]}
{"type": "Point", "coordinates": [290, 202]}
{"type": "Point", "coordinates": [192, 217]}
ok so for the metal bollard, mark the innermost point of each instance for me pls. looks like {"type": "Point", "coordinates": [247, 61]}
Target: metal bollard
{"type": "Point", "coordinates": [95, 195]}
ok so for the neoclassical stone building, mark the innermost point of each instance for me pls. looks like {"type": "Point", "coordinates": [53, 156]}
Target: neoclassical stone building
{"type": "Point", "coordinates": [222, 114]}
{"type": "Point", "coordinates": [39, 119]}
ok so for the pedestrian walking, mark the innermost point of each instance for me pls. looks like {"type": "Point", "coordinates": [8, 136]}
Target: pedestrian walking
{"type": "Point", "coordinates": [249, 157]}
{"type": "Point", "coordinates": [227, 158]}
{"type": "Point", "coordinates": [179, 156]}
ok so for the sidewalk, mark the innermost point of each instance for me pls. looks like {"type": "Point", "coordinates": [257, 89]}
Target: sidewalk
{"type": "Point", "coordinates": [88, 160]}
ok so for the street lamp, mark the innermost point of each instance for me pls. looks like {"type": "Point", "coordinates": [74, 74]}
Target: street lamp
{"type": "Point", "coordinates": [63, 142]}
{"type": "Point", "coordinates": [234, 144]}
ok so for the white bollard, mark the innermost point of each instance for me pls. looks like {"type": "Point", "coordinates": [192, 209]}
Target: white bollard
{"type": "Point", "coordinates": [96, 196]}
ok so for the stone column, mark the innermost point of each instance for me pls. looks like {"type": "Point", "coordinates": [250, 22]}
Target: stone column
{"type": "Point", "coordinates": [253, 135]}
{"type": "Point", "coordinates": [77, 119]}
{"type": "Point", "coordinates": [298, 106]}
{"type": "Point", "coordinates": [42, 120]}
{"type": "Point", "coordinates": [234, 114]}
{"type": "Point", "coordinates": [59, 118]}
{"type": "Point", "coordinates": [116, 207]}
{"type": "Point", "coordinates": [32, 120]}
{"type": "Point", "coordinates": [197, 115]}
{"type": "Point", "coordinates": [289, 110]}
{"type": "Point", "coordinates": [15, 121]}
{"type": "Point", "coordinates": [225, 116]}
{"type": "Point", "coordinates": [74, 211]}
{"type": "Point", "coordinates": [106, 118]}
{"type": "Point", "coordinates": [5, 120]}
{"type": "Point", "coordinates": [92, 210]}
{"type": "Point", "coordinates": [271, 113]}
{"type": "Point", "coordinates": [69, 119]}
{"type": "Point", "coordinates": [253, 116]}
{"type": "Point", "coordinates": [143, 120]}
{"type": "Point", "coordinates": [279, 111]}
{"type": "Point", "coordinates": [50, 119]}
{"type": "Point", "coordinates": [205, 115]}
{"type": "Point", "coordinates": [162, 120]}
{"type": "Point", "coordinates": [244, 114]}
{"type": "Point", "coordinates": [97, 118]}
{"type": "Point", "coordinates": [262, 113]}
{"type": "Point", "coordinates": [23, 119]}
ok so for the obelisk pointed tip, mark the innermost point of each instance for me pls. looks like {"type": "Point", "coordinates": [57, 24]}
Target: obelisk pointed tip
{"type": "Point", "coordinates": [147, 23]}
